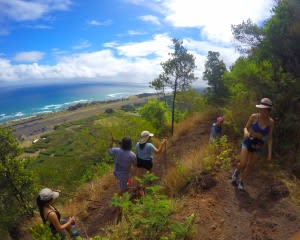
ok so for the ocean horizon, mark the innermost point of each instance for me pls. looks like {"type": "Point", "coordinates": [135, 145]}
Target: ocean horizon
{"type": "Point", "coordinates": [17, 102]}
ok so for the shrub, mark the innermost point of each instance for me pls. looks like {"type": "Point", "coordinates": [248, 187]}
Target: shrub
{"type": "Point", "coordinates": [150, 216]}
{"type": "Point", "coordinates": [220, 154]}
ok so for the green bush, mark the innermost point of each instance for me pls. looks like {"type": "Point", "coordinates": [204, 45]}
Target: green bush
{"type": "Point", "coordinates": [43, 232]}
{"type": "Point", "coordinates": [220, 154]}
{"type": "Point", "coordinates": [150, 216]}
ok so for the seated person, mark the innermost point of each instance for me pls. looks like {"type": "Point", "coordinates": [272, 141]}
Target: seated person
{"type": "Point", "coordinates": [50, 214]}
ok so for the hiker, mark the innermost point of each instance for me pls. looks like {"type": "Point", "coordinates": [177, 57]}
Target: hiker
{"type": "Point", "coordinates": [145, 149]}
{"type": "Point", "coordinates": [216, 129]}
{"type": "Point", "coordinates": [258, 129]}
{"type": "Point", "coordinates": [124, 160]}
{"type": "Point", "coordinates": [50, 214]}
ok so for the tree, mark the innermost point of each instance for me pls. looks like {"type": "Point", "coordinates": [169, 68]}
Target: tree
{"type": "Point", "coordinates": [159, 85]}
{"type": "Point", "coordinates": [16, 183]}
{"type": "Point", "coordinates": [178, 72]}
{"type": "Point", "coordinates": [214, 74]}
{"type": "Point", "coordinates": [248, 35]}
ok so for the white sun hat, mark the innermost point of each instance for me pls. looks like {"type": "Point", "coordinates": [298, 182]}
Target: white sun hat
{"type": "Point", "coordinates": [265, 103]}
{"type": "Point", "coordinates": [145, 135]}
{"type": "Point", "coordinates": [47, 194]}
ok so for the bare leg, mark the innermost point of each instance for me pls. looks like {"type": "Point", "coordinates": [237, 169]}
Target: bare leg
{"type": "Point", "coordinates": [252, 159]}
{"type": "Point", "coordinates": [244, 159]}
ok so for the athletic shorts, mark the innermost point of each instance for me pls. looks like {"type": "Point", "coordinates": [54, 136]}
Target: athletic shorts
{"type": "Point", "coordinates": [253, 144]}
{"type": "Point", "coordinates": [147, 164]}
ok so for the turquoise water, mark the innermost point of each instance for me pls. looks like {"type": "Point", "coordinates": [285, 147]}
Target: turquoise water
{"type": "Point", "coordinates": [20, 102]}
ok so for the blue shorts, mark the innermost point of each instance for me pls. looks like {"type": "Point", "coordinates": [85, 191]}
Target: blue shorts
{"type": "Point", "coordinates": [253, 144]}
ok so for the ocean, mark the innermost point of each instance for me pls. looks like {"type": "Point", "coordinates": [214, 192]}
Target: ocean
{"type": "Point", "coordinates": [18, 102]}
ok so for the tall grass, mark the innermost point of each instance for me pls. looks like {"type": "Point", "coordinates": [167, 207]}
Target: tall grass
{"type": "Point", "coordinates": [189, 166]}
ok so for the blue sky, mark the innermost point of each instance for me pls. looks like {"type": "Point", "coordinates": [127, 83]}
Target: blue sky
{"type": "Point", "coordinates": [48, 41]}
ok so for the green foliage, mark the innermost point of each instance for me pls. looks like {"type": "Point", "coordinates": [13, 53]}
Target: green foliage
{"type": "Point", "coordinates": [99, 238]}
{"type": "Point", "coordinates": [159, 84]}
{"type": "Point", "coordinates": [220, 154]}
{"type": "Point", "coordinates": [76, 152]}
{"type": "Point", "coordinates": [16, 182]}
{"type": "Point", "coordinates": [182, 230]}
{"type": "Point", "coordinates": [156, 112]}
{"type": "Point", "coordinates": [190, 101]}
{"type": "Point", "coordinates": [214, 75]}
{"type": "Point", "coordinates": [249, 77]}
{"type": "Point", "coordinates": [128, 108]}
{"type": "Point", "coordinates": [43, 232]}
{"type": "Point", "coordinates": [149, 217]}
{"type": "Point", "coordinates": [248, 36]}
{"type": "Point", "coordinates": [98, 169]}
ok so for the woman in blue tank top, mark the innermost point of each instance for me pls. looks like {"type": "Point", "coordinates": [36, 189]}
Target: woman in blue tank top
{"type": "Point", "coordinates": [258, 129]}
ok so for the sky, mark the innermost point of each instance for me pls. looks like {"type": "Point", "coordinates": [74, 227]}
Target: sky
{"type": "Point", "coordinates": [114, 41]}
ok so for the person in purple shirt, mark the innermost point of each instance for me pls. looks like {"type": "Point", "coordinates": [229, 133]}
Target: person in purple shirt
{"type": "Point", "coordinates": [124, 160]}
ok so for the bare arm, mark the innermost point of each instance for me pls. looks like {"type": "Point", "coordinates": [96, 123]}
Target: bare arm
{"type": "Point", "coordinates": [52, 217]}
{"type": "Point", "coordinates": [162, 143]}
{"type": "Point", "coordinates": [247, 126]}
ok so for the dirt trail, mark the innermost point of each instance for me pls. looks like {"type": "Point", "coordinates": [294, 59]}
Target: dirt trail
{"type": "Point", "coordinates": [221, 213]}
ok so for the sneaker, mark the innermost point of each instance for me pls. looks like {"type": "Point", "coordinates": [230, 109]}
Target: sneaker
{"type": "Point", "coordinates": [234, 177]}
{"type": "Point", "coordinates": [240, 186]}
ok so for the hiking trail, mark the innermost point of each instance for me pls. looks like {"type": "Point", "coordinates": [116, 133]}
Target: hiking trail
{"type": "Point", "coordinates": [221, 212]}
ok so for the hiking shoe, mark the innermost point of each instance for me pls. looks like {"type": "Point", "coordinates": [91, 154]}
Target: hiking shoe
{"type": "Point", "coordinates": [234, 177]}
{"type": "Point", "coordinates": [241, 186]}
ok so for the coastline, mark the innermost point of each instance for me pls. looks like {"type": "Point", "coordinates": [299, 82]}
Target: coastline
{"type": "Point", "coordinates": [29, 129]}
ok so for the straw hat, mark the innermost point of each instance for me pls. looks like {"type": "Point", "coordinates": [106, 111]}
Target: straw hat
{"type": "Point", "coordinates": [145, 135]}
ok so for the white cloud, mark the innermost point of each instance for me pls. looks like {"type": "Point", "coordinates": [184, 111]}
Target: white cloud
{"type": "Point", "coordinates": [135, 33]}
{"type": "Point", "coordinates": [82, 45]}
{"type": "Point", "coordinates": [150, 18]}
{"type": "Point", "coordinates": [111, 44]}
{"type": "Point", "coordinates": [214, 17]}
{"type": "Point", "coordinates": [157, 46]}
{"type": "Point", "coordinates": [133, 62]}
{"type": "Point", "coordinates": [32, 56]}
{"type": "Point", "coordinates": [39, 26]}
{"type": "Point", "coordinates": [21, 10]}
{"type": "Point", "coordinates": [98, 23]}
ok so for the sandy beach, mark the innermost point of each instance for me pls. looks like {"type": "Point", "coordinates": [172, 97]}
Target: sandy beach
{"type": "Point", "coordinates": [26, 130]}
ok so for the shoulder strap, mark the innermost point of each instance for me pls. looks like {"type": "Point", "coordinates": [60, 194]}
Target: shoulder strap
{"type": "Point", "coordinates": [48, 214]}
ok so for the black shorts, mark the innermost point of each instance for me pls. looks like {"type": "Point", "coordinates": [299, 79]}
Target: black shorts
{"type": "Point", "coordinates": [147, 164]}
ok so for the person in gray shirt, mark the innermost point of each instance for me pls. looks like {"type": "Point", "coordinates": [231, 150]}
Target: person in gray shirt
{"type": "Point", "coordinates": [124, 159]}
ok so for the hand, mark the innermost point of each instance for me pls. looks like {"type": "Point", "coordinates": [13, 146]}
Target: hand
{"type": "Point", "coordinates": [72, 219]}
{"type": "Point", "coordinates": [246, 135]}
{"type": "Point", "coordinates": [164, 141]}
